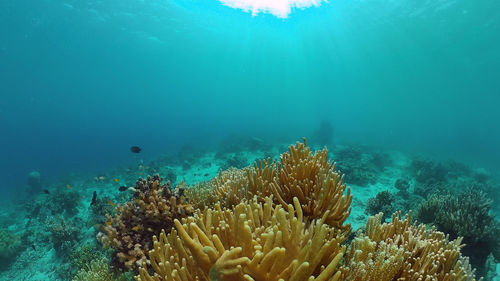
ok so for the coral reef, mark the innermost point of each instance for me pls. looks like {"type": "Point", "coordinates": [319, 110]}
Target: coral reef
{"type": "Point", "coordinates": [465, 215]}
{"type": "Point", "coordinates": [358, 166]}
{"type": "Point", "coordinates": [153, 208]}
{"type": "Point", "coordinates": [234, 160]}
{"type": "Point", "coordinates": [231, 186]}
{"type": "Point", "coordinates": [430, 176]}
{"type": "Point", "coordinates": [10, 246]}
{"type": "Point", "coordinates": [254, 241]}
{"type": "Point", "coordinates": [100, 209]}
{"type": "Point", "coordinates": [402, 185]}
{"type": "Point", "coordinates": [280, 220]}
{"type": "Point", "coordinates": [64, 234]}
{"type": "Point", "coordinates": [401, 250]}
{"type": "Point", "coordinates": [98, 270]}
{"type": "Point", "coordinates": [64, 201]}
{"type": "Point", "coordinates": [201, 195]}
{"type": "Point", "coordinates": [237, 143]}
{"type": "Point", "coordinates": [309, 177]}
{"type": "Point", "coordinates": [300, 173]}
{"type": "Point", "coordinates": [82, 256]}
{"type": "Point", "coordinates": [381, 203]}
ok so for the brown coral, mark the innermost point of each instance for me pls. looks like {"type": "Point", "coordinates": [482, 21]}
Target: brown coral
{"type": "Point", "coordinates": [254, 241]}
{"type": "Point", "coordinates": [401, 250]}
{"type": "Point", "coordinates": [130, 231]}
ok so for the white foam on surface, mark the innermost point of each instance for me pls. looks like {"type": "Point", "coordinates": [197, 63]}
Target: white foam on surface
{"type": "Point", "coordinates": [278, 8]}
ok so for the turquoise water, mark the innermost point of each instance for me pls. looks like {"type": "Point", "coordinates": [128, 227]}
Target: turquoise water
{"type": "Point", "coordinates": [82, 81]}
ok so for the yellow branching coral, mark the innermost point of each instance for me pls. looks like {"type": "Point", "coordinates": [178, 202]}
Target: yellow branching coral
{"type": "Point", "coordinates": [255, 241]}
{"type": "Point", "coordinates": [228, 189]}
{"type": "Point", "coordinates": [404, 251]}
{"type": "Point", "coordinates": [231, 186]}
{"type": "Point", "coordinates": [261, 176]}
{"type": "Point", "coordinates": [201, 195]}
{"type": "Point", "coordinates": [309, 177]}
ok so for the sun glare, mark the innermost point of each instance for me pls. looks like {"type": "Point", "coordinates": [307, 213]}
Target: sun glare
{"type": "Point", "coordinates": [278, 8]}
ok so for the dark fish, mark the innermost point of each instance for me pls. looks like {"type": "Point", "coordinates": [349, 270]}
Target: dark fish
{"type": "Point", "coordinates": [94, 199]}
{"type": "Point", "coordinates": [135, 149]}
{"type": "Point", "coordinates": [122, 188]}
{"type": "Point", "coordinates": [206, 175]}
{"type": "Point", "coordinates": [46, 191]}
{"type": "Point", "coordinates": [33, 247]}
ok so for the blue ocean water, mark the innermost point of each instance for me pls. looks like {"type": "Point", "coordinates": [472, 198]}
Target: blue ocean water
{"type": "Point", "coordinates": [82, 81]}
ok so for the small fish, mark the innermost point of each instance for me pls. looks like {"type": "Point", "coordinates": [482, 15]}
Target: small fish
{"type": "Point", "coordinates": [136, 228]}
{"type": "Point", "coordinates": [108, 223]}
{"type": "Point", "coordinates": [46, 191]}
{"type": "Point", "coordinates": [111, 203]}
{"type": "Point", "coordinates": [122, 188]}
{"type": "Point", "coordinates": [150, 229]}
{"type": "Point", "coordinates": [33, 247]}
{"type": "Point", "coordinates": [206, 175]}
{"type": "Point", "coordinates": [94, 198]}
{"type": "Point", "coordinates": [135, 149]}
{"type": "Point", "coordinates": [68, 186]}
{"type": "Point", "coordinates": [116, 180]}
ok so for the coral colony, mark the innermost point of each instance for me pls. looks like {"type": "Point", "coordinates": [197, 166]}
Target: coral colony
{"type": "Point", "coordinates": [289, 218]}
{"type": "Point", "coordinates": [275, 221]}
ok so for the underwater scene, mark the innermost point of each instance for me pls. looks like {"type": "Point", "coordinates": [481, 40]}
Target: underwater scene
{"type": "Point", "coordinates": [250, 140]}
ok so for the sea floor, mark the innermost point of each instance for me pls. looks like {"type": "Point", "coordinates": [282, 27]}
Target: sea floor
{"type": "Point", "coordinates": [52, 224]}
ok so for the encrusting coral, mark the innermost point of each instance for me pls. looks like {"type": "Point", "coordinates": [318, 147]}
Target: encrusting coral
{"type": "Point", "coordinates": [254, 241]}
{"type": "Point", "coordinates": [153, 208]}
{"type": "Point", "coordinates": [401, 250]}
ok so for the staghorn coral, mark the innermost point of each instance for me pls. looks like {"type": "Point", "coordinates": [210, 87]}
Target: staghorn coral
{"type": "Point", "coordinates": [401, 250]}
{"type": "Point", "coordinates": [254, 241]}
{"type": "Point", "coordinates": [153, 208]}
